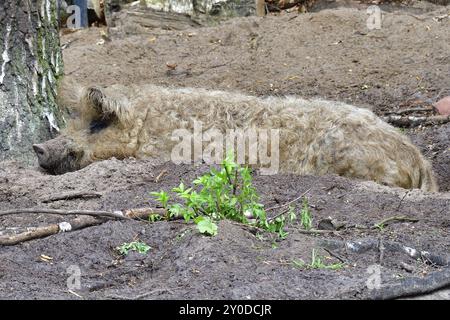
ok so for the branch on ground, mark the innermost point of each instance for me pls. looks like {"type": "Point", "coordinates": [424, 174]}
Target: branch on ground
{"type": "Point", "coordinates": [87, 218]}
{"type": "Point", "coordinates": [413, 121]}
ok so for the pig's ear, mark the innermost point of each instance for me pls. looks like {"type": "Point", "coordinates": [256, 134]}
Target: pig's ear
{"type": "Point", "coordinates": [106, 104]}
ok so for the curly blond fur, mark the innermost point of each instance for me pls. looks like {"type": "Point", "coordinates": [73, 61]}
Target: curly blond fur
{"type": "Point", "coordinates": [316, 136]}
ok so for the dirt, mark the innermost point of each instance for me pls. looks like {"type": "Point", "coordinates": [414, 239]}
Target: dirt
{"type": "Point", "coordinates": [330, 54]}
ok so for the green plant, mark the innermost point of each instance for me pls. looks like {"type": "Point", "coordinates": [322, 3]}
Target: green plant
{"type": "Point", "coordinates": [380, 226]}
{"type": "Point", "coordinates": [316, 263]}
{"type": "Point", "coordinates": [137, 246]}
{"type": "Point", "coordinates": [292, 214]}
{"type": "Point", "coordinates": [305, 215]}
{"type": "Point", "coordinates": [206, 226]}
{"type": "Point", "coordinates": [154, 217]}
{"type": "Point", "coordinates": [227, 193]}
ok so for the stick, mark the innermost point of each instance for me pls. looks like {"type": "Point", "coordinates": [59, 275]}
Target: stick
{"type": "Point", "coordinates": [411, 110]}
{"type": "Point", "coordinates": [115, 214]}
{"type": "Point", "coordinates": [288, 203]}
{"type": "Point", "coordinates": [160, 175]}
{"type": "Point", "coordinates": [277, 215]}
{"type": "Point", "coordinates": [41, 232]}
{"type": "Point", "coordinates": [401, 200]}
{"type": "Point", "coordinates": [335, 255]}
{"type": "Point", "coordinates": [412, 121]}
{"type": "Point", "coordinates": [140, 296]}
{"type": "Point", "coordinates": [139, 213]}
{"type": "Point", "coordinates": [87, 219]}
{"type": "Point", "coordinates": [394, 219]}
{"type": "Point", "coordinates": [72, 195]}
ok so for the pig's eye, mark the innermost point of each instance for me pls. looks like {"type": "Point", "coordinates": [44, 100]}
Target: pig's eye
{"type": "Point", "coordinates": [98, 125]}
{"type": "Point", "coordinates": [72, 155]}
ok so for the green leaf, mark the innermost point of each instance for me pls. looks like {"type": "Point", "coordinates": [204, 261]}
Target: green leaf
{"type": "Point", "coordinates": [206, 226]}
{"type": "Point", "coordinates": [162, 197]}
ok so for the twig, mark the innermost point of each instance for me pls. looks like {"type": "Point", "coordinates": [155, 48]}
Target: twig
{"type": "Point", "coordinates": [72, 195]}
{"type": "Point", "coordinates": [401, 200]}
{"type": "Point", "coordinates": [160, 175]}
{"type": "Point", "coordinates": [315, 231]}
{"type": "Point", "coordinates": [411, 110]}
{"type": "Point", "coordinates": [288, 203]}
{"type": "Point", "coordinates": [75, 294]}
{"type": "Point", "coordinates": [335, 255]}
{"type": "Point", "coordinates": [393, 219]}
{"type": "Point", "coordinates": [73, 71]}
{"type": "Point", "coordinates": [412, 121]}
{"type": "Point", "coordinates": [67, 44]}
{"type": "Point", "coordinates": [277, 215]}
{"type": "Point", "coordinates": [140, 296]}
{"type": "Point", "coordinates": [410, 15]}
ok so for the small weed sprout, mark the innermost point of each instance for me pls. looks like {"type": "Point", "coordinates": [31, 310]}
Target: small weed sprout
{"type": "Point", "coordinates": [305, 215]}
{"type": "Point", "coordinates": [292, 213]}
{"type": "Point", "coordinates": [316, 263]}
{"type": "Point", "coordinates": [380, 226]}
{"type": "Point", "coordinates": [137, 246]}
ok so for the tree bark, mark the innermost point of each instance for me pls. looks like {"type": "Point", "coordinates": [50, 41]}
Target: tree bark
{"type": "Point", "coordinates": [30, 66]}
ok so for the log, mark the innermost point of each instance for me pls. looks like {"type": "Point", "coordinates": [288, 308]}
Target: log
{"type": "Point", "coordinates": [148, 18]}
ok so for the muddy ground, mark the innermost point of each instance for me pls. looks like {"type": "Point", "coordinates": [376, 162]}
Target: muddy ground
{"type": "Point", "coordinates": [330, 54]}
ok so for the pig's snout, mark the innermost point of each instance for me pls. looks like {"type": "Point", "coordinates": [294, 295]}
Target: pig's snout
{"type": "Point", "coordinates": [42, 154]}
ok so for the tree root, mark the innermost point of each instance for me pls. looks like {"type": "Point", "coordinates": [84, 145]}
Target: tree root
{"type": "Point", "coordinates": [414, 286]}
{"type": "Point", "coordinates": [411, 286]}
{"type": "Point", "coordinates": [389, 246]}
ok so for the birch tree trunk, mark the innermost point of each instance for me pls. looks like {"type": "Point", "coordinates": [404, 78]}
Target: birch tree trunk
{"type": "Point", "coordinates": [30, 65]}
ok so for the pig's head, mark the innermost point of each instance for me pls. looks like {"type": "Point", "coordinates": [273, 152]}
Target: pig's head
{"type": "Point", "coordinates": [60, 155]}
{"type": "Point", "coordinates": [102, 128]}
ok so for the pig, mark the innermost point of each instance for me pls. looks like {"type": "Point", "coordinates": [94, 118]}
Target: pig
{"type": "Point", "coordinates": [316, 136]}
